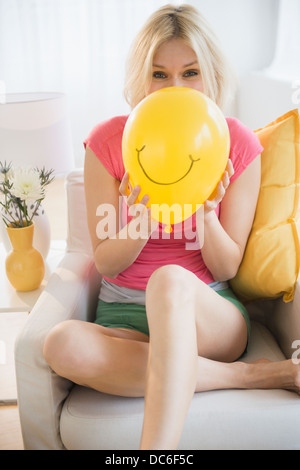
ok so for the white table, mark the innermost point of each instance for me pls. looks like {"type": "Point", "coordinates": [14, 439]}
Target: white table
{"type": "Point", "coordinates": [14, 309]}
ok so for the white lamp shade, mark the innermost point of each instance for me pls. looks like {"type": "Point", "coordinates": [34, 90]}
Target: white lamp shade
{"type": "Point", "coordinates": [35, 131]}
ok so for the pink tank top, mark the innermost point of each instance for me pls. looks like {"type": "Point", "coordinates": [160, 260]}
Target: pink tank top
{"type": "Point", "coordinates": [105, 140]}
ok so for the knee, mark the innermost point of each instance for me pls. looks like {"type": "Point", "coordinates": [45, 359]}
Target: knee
{"type": "Point", "coordinates": [60, 344]}
{"type": "Point", "coordinates": [171, 283]}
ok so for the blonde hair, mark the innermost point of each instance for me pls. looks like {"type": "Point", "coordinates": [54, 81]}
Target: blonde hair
{"type": "Point", "coordinates": [184, 22]}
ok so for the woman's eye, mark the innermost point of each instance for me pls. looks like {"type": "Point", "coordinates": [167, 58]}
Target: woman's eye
{"type": "Point", "coordinates": [159, 75]}
{"type": "Point", "coordinates": [191, 73]}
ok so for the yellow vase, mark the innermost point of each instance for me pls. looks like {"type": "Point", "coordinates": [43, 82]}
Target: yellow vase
{"type": "Point", "coordinates": [24, 265]}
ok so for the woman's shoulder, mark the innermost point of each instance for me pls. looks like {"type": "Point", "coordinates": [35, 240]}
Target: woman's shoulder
{"type": "Point", "coordinates": [239, 132]}
{"type": "Point", "coordinates": [105, 140]}
{"type": "Point", "coordinates": [244, 145]}
{"type": "Point", "coordinates": [108, 129]}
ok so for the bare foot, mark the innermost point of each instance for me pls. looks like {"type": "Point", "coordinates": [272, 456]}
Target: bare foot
{"type": "Point", "coordinates": [276, 375]}
{"type": "Point", "coordinates": [297, 377]}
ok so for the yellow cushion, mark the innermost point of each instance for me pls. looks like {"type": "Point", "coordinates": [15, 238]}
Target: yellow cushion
{"type": "Point", "coordinates": [270, 266]}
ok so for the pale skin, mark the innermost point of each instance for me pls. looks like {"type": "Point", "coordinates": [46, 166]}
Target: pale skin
{"type": "Point", "coordinates": [188, 321]}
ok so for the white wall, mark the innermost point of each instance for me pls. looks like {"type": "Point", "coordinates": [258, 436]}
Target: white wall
{"type": "Point", "coordinates": [247, 29]}
{"type": "Point", "coordinates": [263, 97]}
{"type": "Point", "coordinates": [270, 92]}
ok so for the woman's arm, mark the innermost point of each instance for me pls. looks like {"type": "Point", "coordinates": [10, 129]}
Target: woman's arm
{"type": "Point", "coordinates": [114, 250]}
{"type": "Point", "coordinates": [225, 239]}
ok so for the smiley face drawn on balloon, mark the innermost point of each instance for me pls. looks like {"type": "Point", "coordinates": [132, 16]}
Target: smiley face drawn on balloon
{"type": "Point", "coordinates": [161, 183]}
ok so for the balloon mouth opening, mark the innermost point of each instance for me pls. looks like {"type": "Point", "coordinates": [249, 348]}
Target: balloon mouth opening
{"type": "Point", "coordinates": [168, 229]}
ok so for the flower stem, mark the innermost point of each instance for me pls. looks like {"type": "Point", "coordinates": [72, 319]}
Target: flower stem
{"type": "Point", "coordinates": [37, 205]}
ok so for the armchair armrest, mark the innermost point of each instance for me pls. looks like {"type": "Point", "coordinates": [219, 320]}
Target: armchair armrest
{"type": "Point", "coordinates": [71, 293]}
{"type": "Point", "coordinates": [284, 322]}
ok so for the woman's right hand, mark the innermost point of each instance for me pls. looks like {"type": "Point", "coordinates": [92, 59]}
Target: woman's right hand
{"type": "Point", "coordinates": [211, 204]}
{"type": "Point", "coordinates": [138, 209]}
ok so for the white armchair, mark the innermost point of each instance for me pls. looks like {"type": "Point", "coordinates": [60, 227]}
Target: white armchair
{"type": "Point", "coordinates": [56, 414]}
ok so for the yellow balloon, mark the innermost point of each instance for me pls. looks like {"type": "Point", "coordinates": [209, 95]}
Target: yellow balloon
{"type": "Point", "coordinates": [175, 147]}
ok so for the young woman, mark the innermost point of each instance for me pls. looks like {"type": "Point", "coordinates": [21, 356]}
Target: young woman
{"type": "Point", "coordinates": [167, 323]}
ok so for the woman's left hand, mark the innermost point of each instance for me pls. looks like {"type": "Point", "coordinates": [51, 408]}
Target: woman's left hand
{"type": "Point", "coordinates": [219, 193]}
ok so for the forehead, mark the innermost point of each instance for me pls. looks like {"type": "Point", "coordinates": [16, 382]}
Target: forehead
{"type": "Point", "coordinates": [174, 52]}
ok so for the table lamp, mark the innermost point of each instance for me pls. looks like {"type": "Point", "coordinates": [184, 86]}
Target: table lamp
{"type": "Point", "coordinates": [35, 132]}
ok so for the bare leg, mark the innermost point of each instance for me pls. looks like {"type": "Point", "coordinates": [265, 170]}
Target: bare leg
{"type": "Point", "coordinates": [183, 324]}
{"type": "Point", "coordinates": [124, 357]}
{"type": "Point", "coordinates": [265, 375]}
{"type": "Point", "coordinates": [172, 371]}
{"type": "Point", "coordinates": [105, 359]}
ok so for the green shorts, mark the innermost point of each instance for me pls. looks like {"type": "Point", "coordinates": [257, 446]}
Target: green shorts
{"type": "Point", "coordinates": [133, 316]}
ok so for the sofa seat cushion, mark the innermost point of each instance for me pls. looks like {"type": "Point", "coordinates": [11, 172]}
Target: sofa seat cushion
{"type": "Point", "coordinates": [237, 419]}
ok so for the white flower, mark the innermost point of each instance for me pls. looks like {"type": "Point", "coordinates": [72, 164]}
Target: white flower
{"type": "Point", "coordinates": [26, 184]}
{"type": "Point", "coordinates": [22, 189]}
